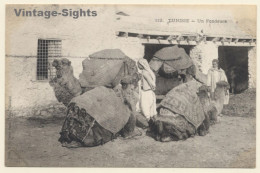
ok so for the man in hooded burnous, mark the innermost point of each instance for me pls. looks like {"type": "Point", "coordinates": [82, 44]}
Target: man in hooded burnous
{"type": "Point", "coordinates": [216, 74]}
{"type": "Point", "coordinates": [147, 95]}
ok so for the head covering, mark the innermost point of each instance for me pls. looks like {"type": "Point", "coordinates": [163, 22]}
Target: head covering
{"type": "Point", "coordinates": [144, 63]}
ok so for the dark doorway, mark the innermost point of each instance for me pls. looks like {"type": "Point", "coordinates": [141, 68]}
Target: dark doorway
{"type": "Point", "coordinates": [163, 85]}
{"type": "Point", "coordinates": [234, 61]}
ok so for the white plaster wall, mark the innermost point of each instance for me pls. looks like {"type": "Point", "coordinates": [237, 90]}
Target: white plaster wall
{"type": "Point", "coordinates": [132, 47]}
{"type": "Point", "coordinates": [203, 54]}
{"type": "Point", "coordinates": [195, 54]}
{"type": "Point", "coordinates": [209, 51]}
{"type": "Point", "coordinates": [252, 67]}
{"type": "Point", "coordinates": [22, 89]}
{"type": "Point", "coordinates": [77, 65]}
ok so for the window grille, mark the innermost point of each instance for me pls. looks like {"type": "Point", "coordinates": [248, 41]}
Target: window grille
{"type": "Point", "coordinates": [48, 50]}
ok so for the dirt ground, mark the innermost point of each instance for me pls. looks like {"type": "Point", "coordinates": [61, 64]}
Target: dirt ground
{"type": "Point", "coordinates": [230, 143]}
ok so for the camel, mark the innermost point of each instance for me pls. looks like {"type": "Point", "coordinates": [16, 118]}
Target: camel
{"type": "Point", "coordinates": [217, 103]}
{"type": "Point", "coordinates": [64, 84]}
{"type": "Point", "coordinates": [86, 127]}
{"type": "Point", "coordinates": [172, 126]}
{"type": "Point", "coordinates": [123, 87]}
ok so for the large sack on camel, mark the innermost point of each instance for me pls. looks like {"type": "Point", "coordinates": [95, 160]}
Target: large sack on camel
{"type": "Point", "coordinates": [170, 63]}
{"type": "Point", "coordinates": [81, 130]}
{"type": "Point", "coordinates": [170, 59]}
{"type": "Point", "coordinates": [184, 101]}
{"type": "Point", "coordinates": [105, 68]}
{"type": "Point", "coordinates": [98, 116]}
{"type": "Point", "coordinates": [105, 107]}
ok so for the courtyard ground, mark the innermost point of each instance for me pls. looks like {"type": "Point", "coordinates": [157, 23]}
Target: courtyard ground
{"type": "Point", "coordinates": [230, 143]}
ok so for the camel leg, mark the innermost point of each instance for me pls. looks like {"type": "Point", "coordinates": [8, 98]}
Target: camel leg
{"type": "Point", "coordinates": [129, 128]}
{"type": "Point", "coordinates": [213, 116]}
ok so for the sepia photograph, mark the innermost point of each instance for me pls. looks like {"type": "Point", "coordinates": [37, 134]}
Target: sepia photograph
{"type": "Point", "coordinates": [130, 86]}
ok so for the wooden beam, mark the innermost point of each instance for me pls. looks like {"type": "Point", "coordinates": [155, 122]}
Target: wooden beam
{"type": "Point", "coordinates": [229, 40]}
{"type": "Point", "coordinates": [140, 36]}
{"type": "Point", "coordinates": [241, 44]}
{"type": "Point", "coordinates": [223, 40]}
{"type": "Point", "coordinates": [192, 38]}
{"type": "Point", "coordinates": [125, 34]}
{"type": "Point", "coordinates": [171, 37]}
{"type": "Point", "coordinates": [148, 38]}
{"type": "Point", "coordinates": [198, 38]}
{"type": "Point", "coordinates": [188, 39]}
{"type": "Point", "coordinates": [204, 39]}
{"type": "Point", "coordinates": [236, 40]}
{"type": "Point", "coordinates": [251, 41]}
{"type": "Point", "coordinates": [170, 41]}
{"type": "Point", "coordinates": [180, 38]}
{"type": "Point", "coordinates": [154, 41]}
{"type": "Point", "coordinates": [159, 38]}
{"type": "Point", "coordinates": [215, 39]}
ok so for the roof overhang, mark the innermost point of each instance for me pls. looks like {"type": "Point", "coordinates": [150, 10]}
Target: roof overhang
{"type": "Point", "coordinates": [187, 39]}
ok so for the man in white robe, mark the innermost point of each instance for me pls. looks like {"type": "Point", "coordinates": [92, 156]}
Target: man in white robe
{"type": "Point", "coordinates": [216, 74]}
{"type": "Point", "coordinates": [147, 95]}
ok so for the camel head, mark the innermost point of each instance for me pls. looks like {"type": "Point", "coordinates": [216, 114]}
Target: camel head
{"type": "Point", "coordinates": [221, 89]}
{"type": "Point", "coordinates": [65, 85]}
{"type": "Point", "coordinates": [129, 90]}
{"type": "Point", "coordinates": [187, 74]}
{"type": "Point", "coordinates": [203, 91]}
{"type": "Point", "coordinates": [204, 96]}
{"type": "Point", "coordinates": [57, 64]}
{"type": "Point", "coordinates": [63, 67]}
{"type": "Point", "coordinates": [132, 72]}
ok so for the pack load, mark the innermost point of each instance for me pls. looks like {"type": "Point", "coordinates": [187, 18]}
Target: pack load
{"type": "Point", "coordinates": [94, 118]}
{"type": "Point", "coordinates": [180, 114]}
{"type": "Point", "coordinates": [106, 68]}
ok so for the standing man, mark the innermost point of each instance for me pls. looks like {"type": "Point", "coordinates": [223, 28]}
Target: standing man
{"type": "Point", "coordinates": [147, 95]}
{"type": "Point", "coordinates": [216, 74]}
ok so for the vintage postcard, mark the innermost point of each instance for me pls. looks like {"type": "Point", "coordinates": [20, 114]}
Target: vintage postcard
{"type": "Point", "coordinates": [136, 86]}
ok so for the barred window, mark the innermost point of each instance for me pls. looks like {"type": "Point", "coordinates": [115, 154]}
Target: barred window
{"type": "Point", "coordinates": [48, 50]}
